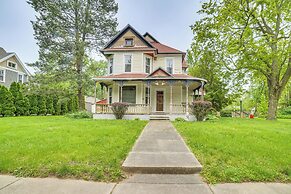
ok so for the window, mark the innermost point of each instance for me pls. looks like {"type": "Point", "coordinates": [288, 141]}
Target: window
{"type": "Point", "coordinates": [110, 64]}
{"type": "Point", "coordinates": [128, 42]}
{"type": "Point", "coordinates": [110, 95]}
{"type": "Point", "coordinates": [20, 78]}
{"type": "Point", "coordinates": [148, 65]}
{"type": "Point", "coordinates": [169, 65]}
{"type": "Point", "coordinates": [129, 94]}
{"type": "Point", "coordinates": [127, 62]}
{"type": "Point", "coordinates": [147, 95]}
{"type": "Point", "coordinates": [11, 65]}
{"type": "Point", "coordinates": [2, 75]}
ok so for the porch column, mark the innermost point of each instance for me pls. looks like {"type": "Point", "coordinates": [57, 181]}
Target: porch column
{"type": "Point", "coordinates": [202, 92]}
{"type": "Point", "coordinates": [171, 96]}
{"type": "Point", "coordinates": [148, 95]}
{"type": "Point", "coordinates": [120, 83]}
{"type": "Point", "coordinates": [95, 95]}
{"type": "Point", "coordinates": [187, 103]}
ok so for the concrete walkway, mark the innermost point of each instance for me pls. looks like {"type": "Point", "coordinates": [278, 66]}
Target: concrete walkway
{"type": "Point", "coordinates": [161, 150]}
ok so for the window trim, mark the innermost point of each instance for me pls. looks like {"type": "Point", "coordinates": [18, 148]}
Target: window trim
{"type": "Point", "coordinates": [22, 77]}
{"type": "Point", "coordinates": [146, 65]}
{"type": "Point", "coordinates": [13, 63]}
{"type": "Point", "coordinates": [4, 75]}
{"type": "Point", "coordinates": [110, 58]}
{"type": "Point", "coordinates": [135, 85]}
{"type": "Point", "coordinates": [125, 39]}
{"type": "Point", "coordinates": [173, 66]}
{"type": "Point", "coordinates": [125, 63]}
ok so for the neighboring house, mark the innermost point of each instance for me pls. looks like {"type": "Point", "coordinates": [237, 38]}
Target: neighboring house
{"type": "Point", "coordinates": [148, 75]}
{"type": "Point", "coordinates": [11, 69]}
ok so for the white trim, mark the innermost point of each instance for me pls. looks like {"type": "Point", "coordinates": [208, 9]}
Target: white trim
{"type": "Point", "coordinates": [173, 59]}
{"type": "Point", "coordinates": [108, 68]}
{"type": "Point", "coordinates": [7, 64]}
{"type": "Point", "coordinates": [146, 57]}
{"type": "Point", "coordinates": [4, 74]}
{"type": "Point", "coordinates": [130, 64]}
{"type": "Point", "coordinates": [22, 77]}
{"type": "Point", "coordinates": [14, 54]}
{"type": "Point", "coordinates": [136, 99]}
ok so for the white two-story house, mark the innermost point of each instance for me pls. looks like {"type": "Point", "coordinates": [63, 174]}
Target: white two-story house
{"type": "Point", "coordinates": [148, 75]}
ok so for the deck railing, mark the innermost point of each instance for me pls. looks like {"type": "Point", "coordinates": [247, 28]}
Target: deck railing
{"type": "Point", "coordinates": [139, 109]}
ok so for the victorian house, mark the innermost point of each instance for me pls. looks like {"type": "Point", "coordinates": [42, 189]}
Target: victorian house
{"type": "Point", "coordinates": [150, 76]}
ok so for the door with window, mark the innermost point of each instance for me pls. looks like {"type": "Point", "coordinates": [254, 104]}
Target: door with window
{"type": "Point", "coordinates": [160, 101]}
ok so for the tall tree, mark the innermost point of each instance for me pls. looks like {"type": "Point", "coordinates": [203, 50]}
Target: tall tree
{"type": "Point", "coordinates": [252, 35]}
{"type": "Point", "coordinates": [67, 31]}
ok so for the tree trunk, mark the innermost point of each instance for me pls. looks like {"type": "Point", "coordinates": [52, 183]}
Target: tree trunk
{"type": "Point", "coordinates": [80, 84]}
{"type": "Point", "coordinates": [272, 106]}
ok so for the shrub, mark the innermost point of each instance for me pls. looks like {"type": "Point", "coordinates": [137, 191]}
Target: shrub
{"type": "Point", "coordinates": [8, 107]}
{"type": "Point", "coordinates": [136, 119]}
{"type": "Point", "coordinates": [180, 119]}
{"type": "Point", "coordinates": [226, 113]}
{"type": "Point", "coordinates": [80, 115]}
{"type": "Point", "coordinates": [33, 104]}
{"type": "Point", "coordinates": [285, 111]}
{"type": "Point", "coordinates": [119, 109]}
{"type": "Point", "coordinates": [50, 105]}
{"type": "Point", "coordinates": [200, 109]}
{"type": "Point", "coordinates": [42, 105]}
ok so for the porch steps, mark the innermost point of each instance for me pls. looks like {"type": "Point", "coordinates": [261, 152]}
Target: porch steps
{"type": "Point", "coordinates": [159, 117]}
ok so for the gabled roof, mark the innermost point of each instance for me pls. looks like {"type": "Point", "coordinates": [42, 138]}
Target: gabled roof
{"type": "Point", "coordinates": [122, 32]}
{"type": "Point", "coordinates": [160, 72]}
{"type": "Point", "coordinates": [151, 37]}
{"type": "Point", "coordinates": [4, 56]}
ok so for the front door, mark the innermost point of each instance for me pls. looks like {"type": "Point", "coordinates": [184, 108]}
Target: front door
{"type": "Point", "coordinates": [160, 101]}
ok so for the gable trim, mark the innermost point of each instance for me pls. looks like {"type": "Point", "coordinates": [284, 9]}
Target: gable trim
{"type": "Point", "coordinates": [122, 32]}
{"type": "Point", "coordinates": [14, 54]}
{"type": "Point", "coordinates": [148, 34]}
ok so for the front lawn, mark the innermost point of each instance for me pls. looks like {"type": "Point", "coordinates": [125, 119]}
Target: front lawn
{"type": "Point", "coordinates": [241, 150]}
{"type": "Point", "coordinates": [64, 147]}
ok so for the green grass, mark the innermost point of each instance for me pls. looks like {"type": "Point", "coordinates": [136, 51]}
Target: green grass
{"type": "Point", "coordinates": [68, 148]}
{"type": "Point", "coordinates": [241, 150]}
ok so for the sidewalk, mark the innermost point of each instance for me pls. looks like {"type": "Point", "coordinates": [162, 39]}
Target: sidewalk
{"type": "Point", "coordinates": [137, 184]}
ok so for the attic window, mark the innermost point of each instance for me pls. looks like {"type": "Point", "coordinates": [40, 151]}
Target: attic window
{"type": "Point", "coordinates": [11, 65]}
{"type": "Point", "coordinates": [128, 42]}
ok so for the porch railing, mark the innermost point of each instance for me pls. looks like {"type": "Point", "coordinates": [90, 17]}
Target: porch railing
{"type": "Point", "coordinates": [132, 109]}
{"type": "Point", "coordinates": [178, 108]}
{"type": "Point", "coordinates": [139, 109]}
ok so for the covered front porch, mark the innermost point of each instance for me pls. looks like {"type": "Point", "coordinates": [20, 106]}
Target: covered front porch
{"type": "Point", "coordinates": [151, 95]}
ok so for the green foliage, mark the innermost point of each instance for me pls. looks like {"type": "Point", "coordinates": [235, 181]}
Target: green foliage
{"type": "Point", "coordinates": [26, 106]}
{"type": "Point", "coordinates": [226, 113]}
{"type": "Point", "coordinates": [200, 109]}
{"type": "Point", "coordinates": [66, 39]}
{"type": "Point", "coordinates": [2, 99]}
{"type": "Point", "coordinates": [252, 37]}
{"type": "Point", "coordinates": [119, 109]}
{"type": "Point", "coordinates": [58, 108]}
{"type": "Point", "coordinates": [33, 101]}
{"type": "Point", "coordinates": [180, 119]}
{"type": "Point", "coordinates": [50, 105]}
{"type": "Point", "coordinates": [42, 110]}
{"type": "Point", "coordinates": [64, 106]}
{"type": "Point", "coordinates": [8, 108]}
{"type": "Point", "coordinates": [80, 115]}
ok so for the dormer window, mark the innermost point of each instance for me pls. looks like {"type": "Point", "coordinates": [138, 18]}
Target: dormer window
{"type": "Point", "coordinates": [128, 42]}
{"type": "Point", "coordinates": [11, 65]}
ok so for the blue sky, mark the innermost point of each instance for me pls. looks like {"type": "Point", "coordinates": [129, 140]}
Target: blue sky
{"type": "Point", "coordinates": [167, 20]}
